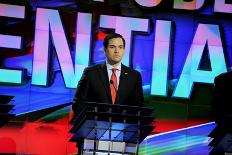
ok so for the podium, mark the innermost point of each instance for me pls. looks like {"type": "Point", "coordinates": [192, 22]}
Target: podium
{"type": "Point", "coordinates": [221, 137]}
{"type": "Point", "coordinates": [101, 128]}
{"type": "Point", "coordinates": [5, 108]}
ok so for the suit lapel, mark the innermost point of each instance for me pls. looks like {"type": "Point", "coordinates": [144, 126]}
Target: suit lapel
{"type": "Point", "coordinates": [123, 81]}
{"type": "Point", "coordinates": [105, 79]}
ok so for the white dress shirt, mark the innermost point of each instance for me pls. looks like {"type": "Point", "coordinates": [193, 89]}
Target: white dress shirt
{"type": "Point", "coordinates": [118, 71]}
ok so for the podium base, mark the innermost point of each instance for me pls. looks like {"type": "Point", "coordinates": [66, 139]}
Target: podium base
{"type": "Point", "coordinates": [101, 153]}
{"type": "Point", "coordinates": [100, 147]}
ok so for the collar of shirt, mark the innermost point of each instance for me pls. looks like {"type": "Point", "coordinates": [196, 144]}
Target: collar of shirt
{"type": "Point", "coordinates": [109, 71]}
{"type": "Point", "coordinates": [110, 67]}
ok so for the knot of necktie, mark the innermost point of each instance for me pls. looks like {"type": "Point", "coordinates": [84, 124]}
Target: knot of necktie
{"type": "Point", "coordinates": [114, 70]}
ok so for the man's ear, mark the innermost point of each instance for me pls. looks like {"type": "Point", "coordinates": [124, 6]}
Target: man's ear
{"type": "Point", "coordinates": [104, 50]}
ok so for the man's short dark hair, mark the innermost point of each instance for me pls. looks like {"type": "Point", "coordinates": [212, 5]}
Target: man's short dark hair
{"type": "Point", "coordinates": [111, 36]}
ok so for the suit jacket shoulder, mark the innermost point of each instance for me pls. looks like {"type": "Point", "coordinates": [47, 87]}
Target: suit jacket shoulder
{"type": "Point", "coordinates": [227, 76]}
{"type": "Point", "coordinates": [126, 69]}
{"type": "Point", "coordinates": [93, 68]}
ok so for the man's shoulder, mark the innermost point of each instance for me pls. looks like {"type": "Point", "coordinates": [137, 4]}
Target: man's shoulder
{"type": "Point", "coordinates": [224, 76]}
{"type": "Point", "coordinates": [130, 70]}
{"type": "Point", "coordinates": [93, 67]}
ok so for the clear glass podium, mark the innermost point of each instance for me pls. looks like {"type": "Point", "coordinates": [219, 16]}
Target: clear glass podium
{"type": "Point", "coordinates": [100, 128]}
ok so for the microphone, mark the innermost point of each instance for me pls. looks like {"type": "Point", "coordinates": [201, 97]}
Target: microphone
{"type": "Point", "coordinates": [117, 95]}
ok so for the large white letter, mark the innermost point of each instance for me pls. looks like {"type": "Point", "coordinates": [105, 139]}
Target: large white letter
{"type": "Point", "coordinates": [206, 35]}
{"type": "Point", "coordinates": [220, 6]}
{"type": "Point", "coordinates": [9, 41]}
{"type": "Point", "coordinates": [48, 21]}
{"type": "Point", "coordinates": [124, 26]}
{"type": "Point", "coordinates": [161, 58]}
{"type": "Point", "coordinates": [148, 3]}
{"type": "Point", "coordinates": [193, 5]}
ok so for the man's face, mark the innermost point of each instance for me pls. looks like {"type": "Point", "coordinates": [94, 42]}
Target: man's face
{"type": "Point", "coordinates": [114, 51]}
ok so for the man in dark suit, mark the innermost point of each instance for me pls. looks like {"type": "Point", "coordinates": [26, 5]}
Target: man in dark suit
{"type": "Point", "coordinates": [111, 82]}
{"type": "Point", "coordinates": [222, 114]}
{"type": "Point", "coordinates": [222, 97]}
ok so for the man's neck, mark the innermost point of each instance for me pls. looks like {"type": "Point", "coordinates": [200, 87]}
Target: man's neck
{"type": "Point", "coordinates": [114, 65]}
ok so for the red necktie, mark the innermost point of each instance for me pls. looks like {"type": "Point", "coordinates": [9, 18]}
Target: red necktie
{"type": "Point", "coordinates": [113, 85]}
